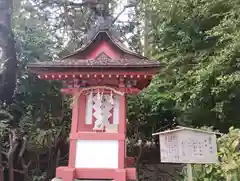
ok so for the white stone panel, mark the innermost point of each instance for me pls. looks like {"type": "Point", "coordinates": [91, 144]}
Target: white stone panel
{"type": "Point", "coordinates": [96, 154]}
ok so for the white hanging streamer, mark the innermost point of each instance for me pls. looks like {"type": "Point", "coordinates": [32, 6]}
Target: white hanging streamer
{"type": "Point", "coordinates": [102, 98]}
{"type": "Point", "coordinates": [111, 98]}
{"type": "Point", "coordinates": [98, 95]}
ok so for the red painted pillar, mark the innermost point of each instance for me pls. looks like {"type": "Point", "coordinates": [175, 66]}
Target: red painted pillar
{"type": "Point", "coordinates": [122, 114]}
{"type": "Point", "coordinates": [75, 113]}
{"type": "Point", "coordinates": [120, 175]}
{"type": "Point", "coordinates": [122, 130]}
{"type": "Point", "coordinates": [66, 173]}
{"type": "Point", "coordinates": [81, 112]}
{"type": "Point", "coordinates": [78, 121]}
{"type": "Point", "coordinates": [121, 172]}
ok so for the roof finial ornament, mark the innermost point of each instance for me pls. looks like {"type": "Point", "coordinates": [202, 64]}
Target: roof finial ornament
{"type": "Point", "coordinates": [103, 17]}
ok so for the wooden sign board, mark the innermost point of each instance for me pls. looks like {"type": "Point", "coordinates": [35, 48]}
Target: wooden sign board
{"type": "Point", "coordinates": [186, 145]}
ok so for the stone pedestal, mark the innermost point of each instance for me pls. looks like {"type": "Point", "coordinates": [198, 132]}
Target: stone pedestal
{"type": "Point", "coordinates": [59, 179]}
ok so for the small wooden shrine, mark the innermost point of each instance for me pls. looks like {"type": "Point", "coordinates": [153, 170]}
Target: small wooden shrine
{"type": "Point", "coordinates": [99, 76]}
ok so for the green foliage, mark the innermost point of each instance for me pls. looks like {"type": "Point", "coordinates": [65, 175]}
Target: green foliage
{"type": "Point", "coordinates": [198, 44]}
{"type": "Point", "coordinates": [229, 166]}
{"type": "Point", "coordinates": [5, 122]}
{"type": "Point", "coordinates": [38, 108]}
{"type": "Point", "coordinates": [39, 178]}
{"type": "Point", "coordinates": [146, 116]}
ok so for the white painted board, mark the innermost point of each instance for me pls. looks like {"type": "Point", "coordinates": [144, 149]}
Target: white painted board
{"type": "Point", "coordinates": [186, 146]}
{"type": "Point", "coordinates": [96, 154]}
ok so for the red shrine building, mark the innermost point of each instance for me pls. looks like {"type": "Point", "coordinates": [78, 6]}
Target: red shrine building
{"type": "Point", "coordinates": [99, 76]}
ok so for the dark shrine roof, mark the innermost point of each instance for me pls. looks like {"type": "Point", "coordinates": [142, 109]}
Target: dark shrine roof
{"type": "Point", "coordinates": [130, 59]}
{"type": "Point", "coordinates": [81, 63]}
{"type": "Point", "coordinates": [113, 38]}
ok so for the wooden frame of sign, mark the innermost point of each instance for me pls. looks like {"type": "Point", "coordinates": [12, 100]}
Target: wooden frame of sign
{"type": "Point", "coordinates": [187, 145]}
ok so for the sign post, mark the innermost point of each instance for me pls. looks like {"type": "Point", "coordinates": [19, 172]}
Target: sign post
{"type": "Point", "coordinates": [189, 172]}
{"type": "Point", "coordinates": [189, 146]}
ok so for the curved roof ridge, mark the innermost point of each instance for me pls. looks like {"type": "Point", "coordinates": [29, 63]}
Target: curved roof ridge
{"type": "Point", "coordinates": [115, 40]}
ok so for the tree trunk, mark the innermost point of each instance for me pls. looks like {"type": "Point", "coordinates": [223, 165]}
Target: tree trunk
{"type": "Point", "coordinates": [146, 31]}
{"type": "Point", "coordinates": [1, 166]}
{"type": "Point", "coordinates": [8, 59]}
{"type": "Point", "coordinates": [53, 158]}
{"type": "Point", "coordinates": [25, 168]}
{"type": "Point", "coordinates": [138, 160]}
{"type": "Point", "coordinates": [10, 167]}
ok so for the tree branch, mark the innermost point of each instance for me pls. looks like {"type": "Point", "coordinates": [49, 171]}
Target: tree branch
{"type": "Point", "coordinates": [24, 147]}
